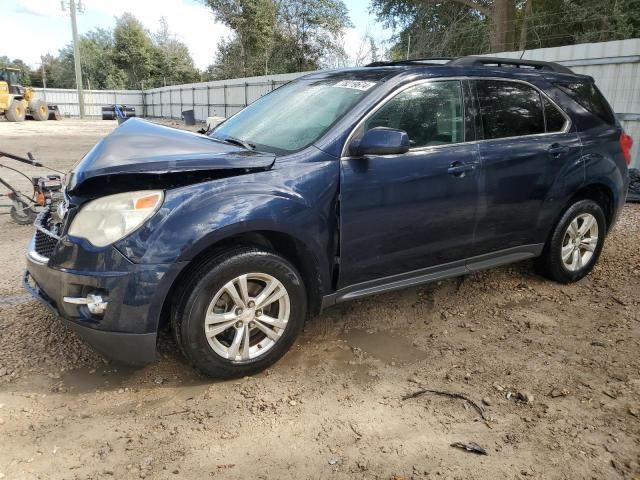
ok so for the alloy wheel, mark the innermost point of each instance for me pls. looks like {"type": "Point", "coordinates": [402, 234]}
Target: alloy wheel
{"type": "Point", "coordinates": [579, 242]}
{"type": "Point", "coordinates": [247, 317]}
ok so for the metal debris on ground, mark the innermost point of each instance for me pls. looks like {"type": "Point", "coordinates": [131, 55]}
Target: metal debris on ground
{"type": "Point", "coordinates": [479, 408]}
{"type": "Point", "coordinates": [471, 447]}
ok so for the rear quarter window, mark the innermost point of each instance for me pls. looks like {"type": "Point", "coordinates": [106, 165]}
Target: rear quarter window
{"type": "Point", "coordinates": [587, 95]}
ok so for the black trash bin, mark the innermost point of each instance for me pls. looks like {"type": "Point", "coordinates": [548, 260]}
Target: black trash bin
{"type": "Point", "coordinates": [189, 117]}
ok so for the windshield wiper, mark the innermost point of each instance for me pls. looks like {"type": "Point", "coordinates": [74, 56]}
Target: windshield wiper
{"type": "Point", "coordinates": [239, 142]}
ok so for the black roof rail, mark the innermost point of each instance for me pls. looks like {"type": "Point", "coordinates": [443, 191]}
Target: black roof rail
{"type": "Point", "coordinates": [413, 61]}
{"type": "Point", "coordinates": [472, 61]}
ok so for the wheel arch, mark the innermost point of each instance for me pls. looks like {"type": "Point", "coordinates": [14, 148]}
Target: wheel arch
{"type": "Point", "coordinates": [602, 194]}
{"type": "Point", "coordinates": [284, 244]}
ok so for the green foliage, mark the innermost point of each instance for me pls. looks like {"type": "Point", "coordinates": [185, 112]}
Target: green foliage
{"type": "Point", "coordinates": [277, 36]}
{"type": "Point", "coordinates": [132, 52]}
{"type": "Point", "coordinates": [24, 76]}
{"type": "Point", "coordinates": [253, 22]}
{"type": "Point", "coordinates": [464, 27]}
{"type": "Point", "coordinates": [171, 60]}
{"type": "Point", "coordinates": [98, 68]}
{"type": "Point", "coordinates": [127, 57]}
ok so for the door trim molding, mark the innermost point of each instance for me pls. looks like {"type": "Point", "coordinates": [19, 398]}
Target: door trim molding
{"type": "Point", "coordinates": [431, 274]}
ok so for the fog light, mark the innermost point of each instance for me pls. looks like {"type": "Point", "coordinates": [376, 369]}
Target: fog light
{"type": "Point", "coordinates": [94, 303]}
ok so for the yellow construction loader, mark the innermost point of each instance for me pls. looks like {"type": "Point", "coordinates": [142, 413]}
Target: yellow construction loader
{"type": "Point", "coordinates": [18, 102]}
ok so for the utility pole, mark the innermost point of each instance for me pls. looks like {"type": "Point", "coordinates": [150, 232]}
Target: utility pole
{"type": "Point", "coordinates": [44, 79]}
{"type": "Point", "coordinates": [76, 49]}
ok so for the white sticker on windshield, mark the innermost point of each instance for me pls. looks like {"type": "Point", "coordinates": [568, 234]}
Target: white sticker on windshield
{"type": "Point", "coordinates": [356, 84]}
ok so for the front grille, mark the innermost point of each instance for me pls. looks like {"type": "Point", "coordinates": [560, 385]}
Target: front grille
{"type": "Point", "coordinates": [46, 237]}
{"type": "Point", "coordinates": [44, 244]}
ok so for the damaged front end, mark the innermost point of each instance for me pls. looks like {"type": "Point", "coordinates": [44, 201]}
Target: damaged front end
{"type": "Point", "coordinates": [74, 264]}
{"type": "Point", "coordinates": [142, 155]}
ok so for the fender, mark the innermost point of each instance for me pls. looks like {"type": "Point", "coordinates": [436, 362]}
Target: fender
{"type": "Point", "coordinates": [605, 164]}
{"type": "Point", "coordinates": [196, 217]}
{"type": "Point", "coordinates": [599, 170]}
{"type": "Point", "coordinates": [603, 171]}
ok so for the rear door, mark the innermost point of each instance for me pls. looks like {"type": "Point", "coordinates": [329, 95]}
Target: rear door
{"type": "Point", "coordinates": [528, 143]}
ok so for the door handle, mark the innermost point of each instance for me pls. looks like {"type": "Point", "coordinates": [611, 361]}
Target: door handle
{"type": "Point", "coordinates": [458, 169]}
{"type": "Point", "coordinates": [557, 150]}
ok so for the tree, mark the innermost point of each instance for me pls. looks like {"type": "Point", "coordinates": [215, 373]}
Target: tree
{"type": "Point", "coordinates": [126, 57]}
{"type": "Point", "coordinates": [132, 50]}
{"type": "Point", "coordinates": [172, 62]}
{"type": "Point", "coordinates": [98, 68]}
{"type": "Point", "coordinates": [463, 27]}
{"type": "Point", "coordinates": [277, 36]}
{"type": "Point", "coordinates": [315, 28]}
{"type": "Point", "coordinates": [253, 23]}
{"type": "Point", "coordinates": [25, 72]}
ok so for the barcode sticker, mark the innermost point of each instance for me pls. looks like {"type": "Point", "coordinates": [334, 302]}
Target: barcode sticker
{"type": "Point", "coordinates": [355, 84]}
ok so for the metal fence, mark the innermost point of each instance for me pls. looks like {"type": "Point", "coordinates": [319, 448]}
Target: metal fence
{"type": "Point", "coordinates": [614, 65]}
{"type": "Point", "coordinates": [94, 100]}
{"type": "Point", "coordinates": [207, 99]}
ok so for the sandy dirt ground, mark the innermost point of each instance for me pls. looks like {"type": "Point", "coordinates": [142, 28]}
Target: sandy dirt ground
{"type": "Point", "coordinates": [555, 369]}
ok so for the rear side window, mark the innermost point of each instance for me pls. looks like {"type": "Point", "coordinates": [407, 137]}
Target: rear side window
{"type": "Point", "coordinates": [589, 97]}
{"type": "Point", "coordinates": [509, 109]}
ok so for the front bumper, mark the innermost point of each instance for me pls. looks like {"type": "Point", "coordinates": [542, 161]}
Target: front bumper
{"type": "Point", "coordinates": [135, 349]}
{"type": "Point", "coordinates": [126, 331]}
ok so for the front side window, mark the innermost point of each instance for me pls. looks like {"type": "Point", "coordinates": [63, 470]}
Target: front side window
{"type": "Point", "coordinates": [295, 115]}
{"type": "Point", "coordinates": [430, 113]}
{"type": "Point", "coordinates": [509, 109]}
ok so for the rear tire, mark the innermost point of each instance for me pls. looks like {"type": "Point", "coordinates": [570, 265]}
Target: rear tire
{"type": "Point", "coordinates": [39, 110]}
{"type": "Point", "coordinates": [223, 325]}
{"type": "Point", "coordinates": [16, 111]}
{"type": "Point", "coordinates": [575, 243]}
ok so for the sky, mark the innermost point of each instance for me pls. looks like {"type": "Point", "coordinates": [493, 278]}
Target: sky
{"type": "Point", "coordinates": [40, 26]}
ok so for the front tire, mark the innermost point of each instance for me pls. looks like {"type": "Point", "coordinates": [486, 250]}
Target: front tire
{"type": "Point", "coordinates": [575, 244]}
{"type": "Point", "coordinates": [239, 312]}
{"type": "Point", "coordinates": [16, 112]}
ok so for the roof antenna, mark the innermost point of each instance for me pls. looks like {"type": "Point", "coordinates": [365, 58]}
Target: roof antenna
{"type": "Point", "coordinates": [522, 54]}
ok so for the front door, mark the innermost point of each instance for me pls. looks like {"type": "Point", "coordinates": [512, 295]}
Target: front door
{"type": "Point", "coordinates": [402, 213]}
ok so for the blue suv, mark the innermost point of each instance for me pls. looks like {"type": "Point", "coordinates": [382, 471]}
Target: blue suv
{"type": "Point", "coordinates": [338, 185]}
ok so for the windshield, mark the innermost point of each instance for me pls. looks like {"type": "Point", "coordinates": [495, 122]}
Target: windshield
{"type": "Point", "coordinates": [9, 76]}
{"type": "Point", "coordinates": [293, 116]}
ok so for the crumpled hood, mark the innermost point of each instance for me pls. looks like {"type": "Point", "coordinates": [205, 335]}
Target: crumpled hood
{"type": "Point", "coordinates": [151, 155]}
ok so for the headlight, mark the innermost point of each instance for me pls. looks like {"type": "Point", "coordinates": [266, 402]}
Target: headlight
{"type": "Point", "coordinates": [108, 219]}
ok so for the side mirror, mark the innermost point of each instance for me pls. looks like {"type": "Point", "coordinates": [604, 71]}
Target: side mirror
{"type": "Point", "coordinates": [380, 141]}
